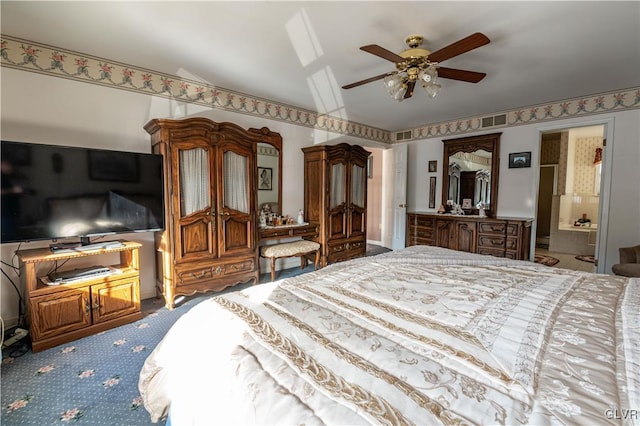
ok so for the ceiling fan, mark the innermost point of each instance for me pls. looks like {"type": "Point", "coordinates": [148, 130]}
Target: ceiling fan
{"type": "Point", "coordinates": [419, 64]}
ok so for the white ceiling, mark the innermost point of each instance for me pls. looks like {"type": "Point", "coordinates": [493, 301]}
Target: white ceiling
{"type": "Point", "coordinates": [300, 53]}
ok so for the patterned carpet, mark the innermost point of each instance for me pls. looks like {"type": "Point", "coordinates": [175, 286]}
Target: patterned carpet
{"type": "Point", "coordinates": [586, 258]}
{"type": "Point", "coordinates": [545, 260]}
{"type": "Point", "coordinates": [94, 380]}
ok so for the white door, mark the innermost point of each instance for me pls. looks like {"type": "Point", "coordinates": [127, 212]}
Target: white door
{"type": "Point", "coordinates": [395, 178]}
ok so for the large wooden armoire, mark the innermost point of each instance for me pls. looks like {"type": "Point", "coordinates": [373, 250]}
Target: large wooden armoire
{"type": "Point", "coordinates": [210, 237]}
{"type": "Point", "coordinates": [335, 198]}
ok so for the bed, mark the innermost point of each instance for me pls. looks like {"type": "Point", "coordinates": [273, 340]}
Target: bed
{"type": "Point", "coordinates": [422, 335]}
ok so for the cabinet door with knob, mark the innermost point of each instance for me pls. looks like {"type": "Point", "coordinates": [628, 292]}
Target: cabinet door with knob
{"type": "Point", "coordinates": [194, 212]}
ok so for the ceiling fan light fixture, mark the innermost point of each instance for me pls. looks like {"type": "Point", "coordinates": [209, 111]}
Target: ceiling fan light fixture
{"type": "Point", "coordinates": [429, 75]}
{"type": "Point", "coordinates": [394, 84]}
{"type": "Point", "coordinates": [432, 89]}
{"type": "Point", "coordinates": [417, 64]}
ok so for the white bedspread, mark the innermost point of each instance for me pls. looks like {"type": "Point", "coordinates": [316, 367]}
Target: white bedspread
{"type": "Point", "coordinates": [421, 336]}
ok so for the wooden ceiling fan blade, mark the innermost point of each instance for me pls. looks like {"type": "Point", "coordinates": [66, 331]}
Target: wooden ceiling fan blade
{"type": "Point", "coordinates": [365, 81]}
{"type": "Point", "coordinates": [459, 47]}
{"type": "Point", "coordinates": [383, 53]}
{"type": "Point", "coordinates": [410, 86]}
{"type": "Point", "coordinates": [462, 75]}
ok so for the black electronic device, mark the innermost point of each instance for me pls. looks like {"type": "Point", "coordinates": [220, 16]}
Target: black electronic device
{"type": "Point", "coordinates": [52, 192]}
{"type": "Point", "coordinates": [78, 274]}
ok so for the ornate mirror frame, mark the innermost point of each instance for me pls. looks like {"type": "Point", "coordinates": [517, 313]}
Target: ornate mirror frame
{"type": "Point", "coordinates": [275, 140]}
{"type": "Point", "coordinates": [490, 143]}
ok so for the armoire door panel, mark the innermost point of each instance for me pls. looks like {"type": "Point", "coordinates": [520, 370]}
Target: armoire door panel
{"type": "Point", "coordinates": [357, 222]}
{"type": "Point", "coordinates": [237, 201]}
{"type": "Point", "coordinates": [195, 239]}
{"type": "Point", "coordinates": [337, 225]}
{"type": "Point", "coordinates": [238, 236]}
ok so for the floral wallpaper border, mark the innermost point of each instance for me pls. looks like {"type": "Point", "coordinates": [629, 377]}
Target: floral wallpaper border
{"type": "Point", "coordinates": [583, 106]}
{"type": "Point", "coordinates": [41, 58]}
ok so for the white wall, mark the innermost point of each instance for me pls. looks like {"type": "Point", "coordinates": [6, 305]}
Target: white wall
{"type": "Point", "coordinates": [518, 190]}
{"type": "Point", "coordinates": [43, 109]}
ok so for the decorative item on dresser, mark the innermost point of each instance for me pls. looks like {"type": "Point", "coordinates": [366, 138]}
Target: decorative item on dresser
{"type": "Point", "coordinates": [335, 198]}
{"type": "Point", "coordinates": [502, 237]}
{"type": "Point", "coordinates": [209, 242]}
{"type": "Point", "coordinates": [80, 306]}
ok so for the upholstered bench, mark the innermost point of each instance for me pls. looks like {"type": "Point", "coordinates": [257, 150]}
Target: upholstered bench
{"type": "Point", "coordinates": [300, 248]}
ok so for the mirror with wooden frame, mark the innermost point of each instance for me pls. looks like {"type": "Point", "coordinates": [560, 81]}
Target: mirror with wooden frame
{"type": "Point", "coordinates": [470, 172]}
{"type": "Point", "coordinates": [269, 161]}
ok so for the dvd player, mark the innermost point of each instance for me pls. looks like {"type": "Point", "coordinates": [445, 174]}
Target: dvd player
{"type": "Point", "coordinates": [78, 274]}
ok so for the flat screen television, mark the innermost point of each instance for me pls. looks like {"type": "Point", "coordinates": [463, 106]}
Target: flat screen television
{"type": "Point", "coordinates": [52, 192]}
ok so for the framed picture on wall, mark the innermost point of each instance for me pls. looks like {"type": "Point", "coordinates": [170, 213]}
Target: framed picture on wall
{"type": "Point", "coordinates": [432, 192]}
{"type": "Point", "coordinates": [265, 176]}
{"type": "Point", "coordinates": [519, 160]}
{"type": "Point", "coordinates": [433, 166]}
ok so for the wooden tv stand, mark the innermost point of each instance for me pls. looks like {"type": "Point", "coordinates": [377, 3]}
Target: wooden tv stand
{"type": "Point", "coordinates": [79, 308]}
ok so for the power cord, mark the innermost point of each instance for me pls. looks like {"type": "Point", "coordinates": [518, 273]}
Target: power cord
{"type": "Point", "coordinates": [20, 299]}
{"type": "Point", "coordinates": [2, 330]}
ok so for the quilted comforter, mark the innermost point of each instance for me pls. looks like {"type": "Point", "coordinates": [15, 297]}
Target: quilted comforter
{"type": "Point", "coordinates": [422, 335]}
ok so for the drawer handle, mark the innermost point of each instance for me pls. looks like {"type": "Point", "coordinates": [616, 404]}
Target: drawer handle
{"type": "Point", "coordinates": [196, 276]}
{"type": "Point", "coordinates": [496, 242]}
{"type": "Point", "coordinates": [497, 229]}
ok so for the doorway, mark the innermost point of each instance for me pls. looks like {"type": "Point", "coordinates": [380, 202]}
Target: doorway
{"type": "Point", "coordinates": [568, 197]}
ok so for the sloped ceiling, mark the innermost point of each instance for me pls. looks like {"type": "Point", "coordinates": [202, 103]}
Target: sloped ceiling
{"type": "Point", "coordinates": [301, 53]}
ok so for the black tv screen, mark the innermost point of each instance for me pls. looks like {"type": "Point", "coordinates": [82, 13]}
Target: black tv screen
{"type": "Point", "coordinates": [51, 192]}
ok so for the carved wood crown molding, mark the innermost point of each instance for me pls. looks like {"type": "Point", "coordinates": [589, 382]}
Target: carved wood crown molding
{"type": "Point", "coordinates": [36, 57]}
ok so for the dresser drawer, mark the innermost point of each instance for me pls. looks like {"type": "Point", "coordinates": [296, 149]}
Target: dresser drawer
{"type": "Point", "coordinates": [420, 232]}
{"type": "Point", "coordinates": [346, 250]}
{"type": "Point", "coordinates": [427, 222]}
{"type": "Point", "coordinates": [497, 228]}
{"type": "Point", "coordinates": [193, 275]}
{"type": "Point", "coordinates": [491, 241]}
{"type": "Point", "coordinates": [491, 251]}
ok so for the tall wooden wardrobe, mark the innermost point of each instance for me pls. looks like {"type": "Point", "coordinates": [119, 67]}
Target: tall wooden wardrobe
{"type": "Point", "coordinates": [335, 198]}
{"type": "Point", "coordinates": [210, 236]}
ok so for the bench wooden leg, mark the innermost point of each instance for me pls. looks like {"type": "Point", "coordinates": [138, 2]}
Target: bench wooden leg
{"type": "Point", "coordinates": [273, 269]}
{"type": "Point", "coordinates": [317, 259]}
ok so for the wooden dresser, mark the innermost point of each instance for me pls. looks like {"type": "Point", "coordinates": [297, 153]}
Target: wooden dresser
{"type": "Point", "coordinates": [501, 237]}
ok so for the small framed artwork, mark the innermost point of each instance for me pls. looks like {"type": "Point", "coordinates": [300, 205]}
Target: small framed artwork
{"type": "Point", "coordinates": [519, 160]}
{"type": "Point", "coordinates": [466, 203]}
{"type": "Point", "coordinates": [433, 166]}
{"type": "Point", "coordinates": [432, 192]}
{"type": "Point", "coordinates": [265, 176]}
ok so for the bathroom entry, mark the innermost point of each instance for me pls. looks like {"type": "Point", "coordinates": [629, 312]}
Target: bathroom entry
{"type": "Point", "coordinates": [568, 195]}
{"type": "Point", "coordinates": [547, 189]}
